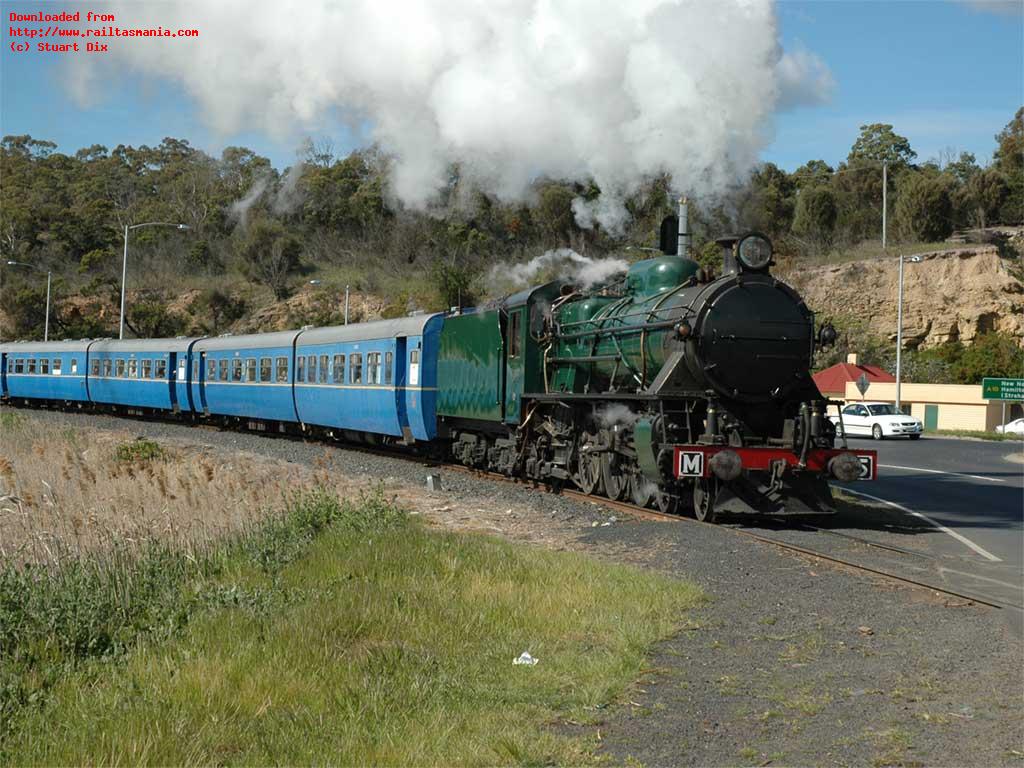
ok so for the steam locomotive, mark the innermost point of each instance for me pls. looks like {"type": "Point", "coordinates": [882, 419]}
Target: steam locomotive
{"type": "Point", "coordinates": [671, 386]}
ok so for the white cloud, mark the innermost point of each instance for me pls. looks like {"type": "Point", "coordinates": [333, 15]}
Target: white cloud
{"type": "Point", "coordinates": [804, 79]}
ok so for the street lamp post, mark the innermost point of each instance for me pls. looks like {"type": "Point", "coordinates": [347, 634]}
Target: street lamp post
{"type": "Point", "coordinates": [124, 263]}
{"type": "Point", "coordinates": [49, 276]}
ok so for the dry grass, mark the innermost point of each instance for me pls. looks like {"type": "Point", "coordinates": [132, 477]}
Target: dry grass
{"type": "Point", "coordinates": [65, 492]}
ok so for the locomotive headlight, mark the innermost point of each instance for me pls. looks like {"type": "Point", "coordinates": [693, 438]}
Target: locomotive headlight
{"type": "Point", "coordinates": [755, 252]}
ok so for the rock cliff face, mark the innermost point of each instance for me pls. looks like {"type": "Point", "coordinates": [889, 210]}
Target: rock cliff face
{"type": "Point", "coordinates": [947, 296]}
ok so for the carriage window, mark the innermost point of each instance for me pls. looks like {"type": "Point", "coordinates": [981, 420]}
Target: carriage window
{"type": "Point", "coordinates": [236, 369]}
{"type": "Point", "coordinates": [324, 359]}
{"type": "Point", "coordinates": [182, 369]}
{"type": "Point", "coordinates": [388, 366]}
{"type": "Point", "coordinates": [147, 369]}
{"type": "Point", "coordinates": [282, 369]}
{"type": "Point", "coordinates": [250, 369]}
{"type": "Point", "coordinates": [195, 370]}
{"type": "Point", "coordinates": [311, 369]}
{"type": "Point", "coordinates": [133, 369]}
{"type": "Point", "coordinates": [32, 365]}
{"type": "Point", "coordinates": [119, 368]}
{"type": "Point", "coordinates": [373, 368]}
{"type": "Point", "coordinates": [56, 366]}
{"type": "Point", "coordinates": [265, 369]}
{"type": "Point", "coordinates": [513, 334]}
{"type": "Point", "coordinates": [211, 370]}
{"type": "Point", "coordinates": [339, 369]}
{"type": "Point", "coordinates": [19, 366]}
{"type": "Point", "coordinates": [356, 368]}
{"type": "Point", "coordinates": [108, 366]}
{"type": "Point", "coordinates": [94, 367]}
{"type": "Point", "coordinates": [223, 370]}
{"type": "Point", "coordinates": [44, 366]}
{"type": "Point", "coordinates": [161, 369]}
{"type": "Point", "coordinates": [300, 370]}
{"type": "Point", "coordinates": [74, 365]}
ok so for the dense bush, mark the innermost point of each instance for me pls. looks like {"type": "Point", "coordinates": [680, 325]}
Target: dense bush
{"type": "Point", "coordinates": [252, 228]}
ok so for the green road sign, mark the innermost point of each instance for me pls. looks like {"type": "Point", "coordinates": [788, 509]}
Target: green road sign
{"type": "Point", "coordinates": [1002, 389]}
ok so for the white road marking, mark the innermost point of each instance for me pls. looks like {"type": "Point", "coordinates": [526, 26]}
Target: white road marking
{"type": "Point", "coordinates": [940, 472]}
{"type": "Point", "coordinates": [982, 578]}
{"type": "Point", "coordinates": [962, 539]}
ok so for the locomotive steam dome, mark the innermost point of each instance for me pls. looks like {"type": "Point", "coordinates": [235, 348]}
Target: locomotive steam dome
{"type": "Point", "coordinates": [753, 337]}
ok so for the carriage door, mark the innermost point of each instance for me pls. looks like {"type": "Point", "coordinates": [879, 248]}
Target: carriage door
{"type": "Point", "coordinates": [172, 365]}
{"type": "Point", "coordinates": [514, 364]}
{"type": "Point", "coordinates": [399, 384]}
{"type": "Point", "coordinates": [199, 393]}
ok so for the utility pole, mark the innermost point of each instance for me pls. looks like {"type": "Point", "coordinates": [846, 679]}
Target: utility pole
{"type": "Point", "coordinates": [346, 305]}
{"type": "Point", "coordinates": [885, 206]}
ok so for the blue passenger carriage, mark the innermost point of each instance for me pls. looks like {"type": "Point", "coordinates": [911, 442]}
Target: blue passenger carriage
{"type": "Point", "coordinates": [246, 376]}
{"type": "Point", "coordinates": [39, 370]}
{"type": "Point", "coordinates": [378, 378]}
{"type": "Point", "coordinates": [141, 373]}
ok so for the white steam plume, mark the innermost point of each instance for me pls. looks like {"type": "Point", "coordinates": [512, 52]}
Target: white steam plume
{"type": "Point", "coordinates": [286, 199]}
{"type": "Point", "coordinates": [562, 262]}
{"type": "Point", "coordinates": [513, 90]}
{"type": "Point", "coordinates": [239, 210]}
{"type": "Point", "coordinates": [289, 196]}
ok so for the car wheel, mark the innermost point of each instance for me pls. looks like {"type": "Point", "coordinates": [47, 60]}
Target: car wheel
{"type": "Point", "coordinates": [876, 432]}
{"type": "Point", "coordinates": [915, 437]}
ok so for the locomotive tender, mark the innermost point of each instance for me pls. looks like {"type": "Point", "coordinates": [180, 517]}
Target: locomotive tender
{"type": "Point", "coordinates": [670, 387]}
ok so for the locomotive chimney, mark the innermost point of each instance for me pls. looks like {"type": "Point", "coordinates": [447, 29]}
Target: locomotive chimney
{"type": "Point", "coordinates": [684, 228]}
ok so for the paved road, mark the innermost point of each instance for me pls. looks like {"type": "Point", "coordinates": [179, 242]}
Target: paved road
{"type": "Point", "coordinates": [976, 491]}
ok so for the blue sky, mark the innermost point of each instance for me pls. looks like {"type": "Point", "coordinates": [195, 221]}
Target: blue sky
{"type": "Point", "coordinates": [945, 74]}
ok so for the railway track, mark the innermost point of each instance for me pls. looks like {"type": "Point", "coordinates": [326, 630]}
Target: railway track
{"type": "Point", "coordinates": [654, 515]}
{"type": "Point", "coordinates": [650, 514]}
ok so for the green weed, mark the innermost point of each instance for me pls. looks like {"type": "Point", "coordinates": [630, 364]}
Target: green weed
{"type": "Point", "coordinates": [139, 451]}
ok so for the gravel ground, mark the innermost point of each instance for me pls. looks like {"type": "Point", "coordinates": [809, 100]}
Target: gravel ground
{"type": "Point", "coordinates": [791, 661]}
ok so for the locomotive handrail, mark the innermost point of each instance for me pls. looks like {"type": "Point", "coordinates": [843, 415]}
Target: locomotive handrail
{"type": "Point", "coordinates": [619, 329]}
{"type": "Point", "coordinates": [622, 317]}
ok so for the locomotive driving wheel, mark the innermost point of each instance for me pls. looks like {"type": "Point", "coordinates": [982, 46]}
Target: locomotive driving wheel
{"type": "Point", "coordinates": [616, 482]}
{"type": "Point", "coordinates": [667, 503]}
{"type": "Point", "coordinates": [704, 493]}
{"type": "Point", "coordinates": [588, 465]}
{"type": "Point", "coordinates": [641, 490]}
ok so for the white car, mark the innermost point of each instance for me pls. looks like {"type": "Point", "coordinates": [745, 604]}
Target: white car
{"type": "Point", "coordinates": [1015, 427]}
{"type": "Point", "coordinates": [877, 420]}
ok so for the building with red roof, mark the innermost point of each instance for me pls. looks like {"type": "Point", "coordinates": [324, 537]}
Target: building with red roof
{"type": "Point", "coordinates": [832, 381]}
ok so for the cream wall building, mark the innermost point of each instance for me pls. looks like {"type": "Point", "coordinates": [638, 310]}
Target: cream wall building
{"type": "Point", "coordinates": [941, 406]}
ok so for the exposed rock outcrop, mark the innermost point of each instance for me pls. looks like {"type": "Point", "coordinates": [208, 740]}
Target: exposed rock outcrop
{"type": "Point", "coordinates": [947, 295]}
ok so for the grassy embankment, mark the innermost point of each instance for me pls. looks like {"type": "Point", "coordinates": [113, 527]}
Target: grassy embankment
{"type": "Point", "coordinates": [329, 630]}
